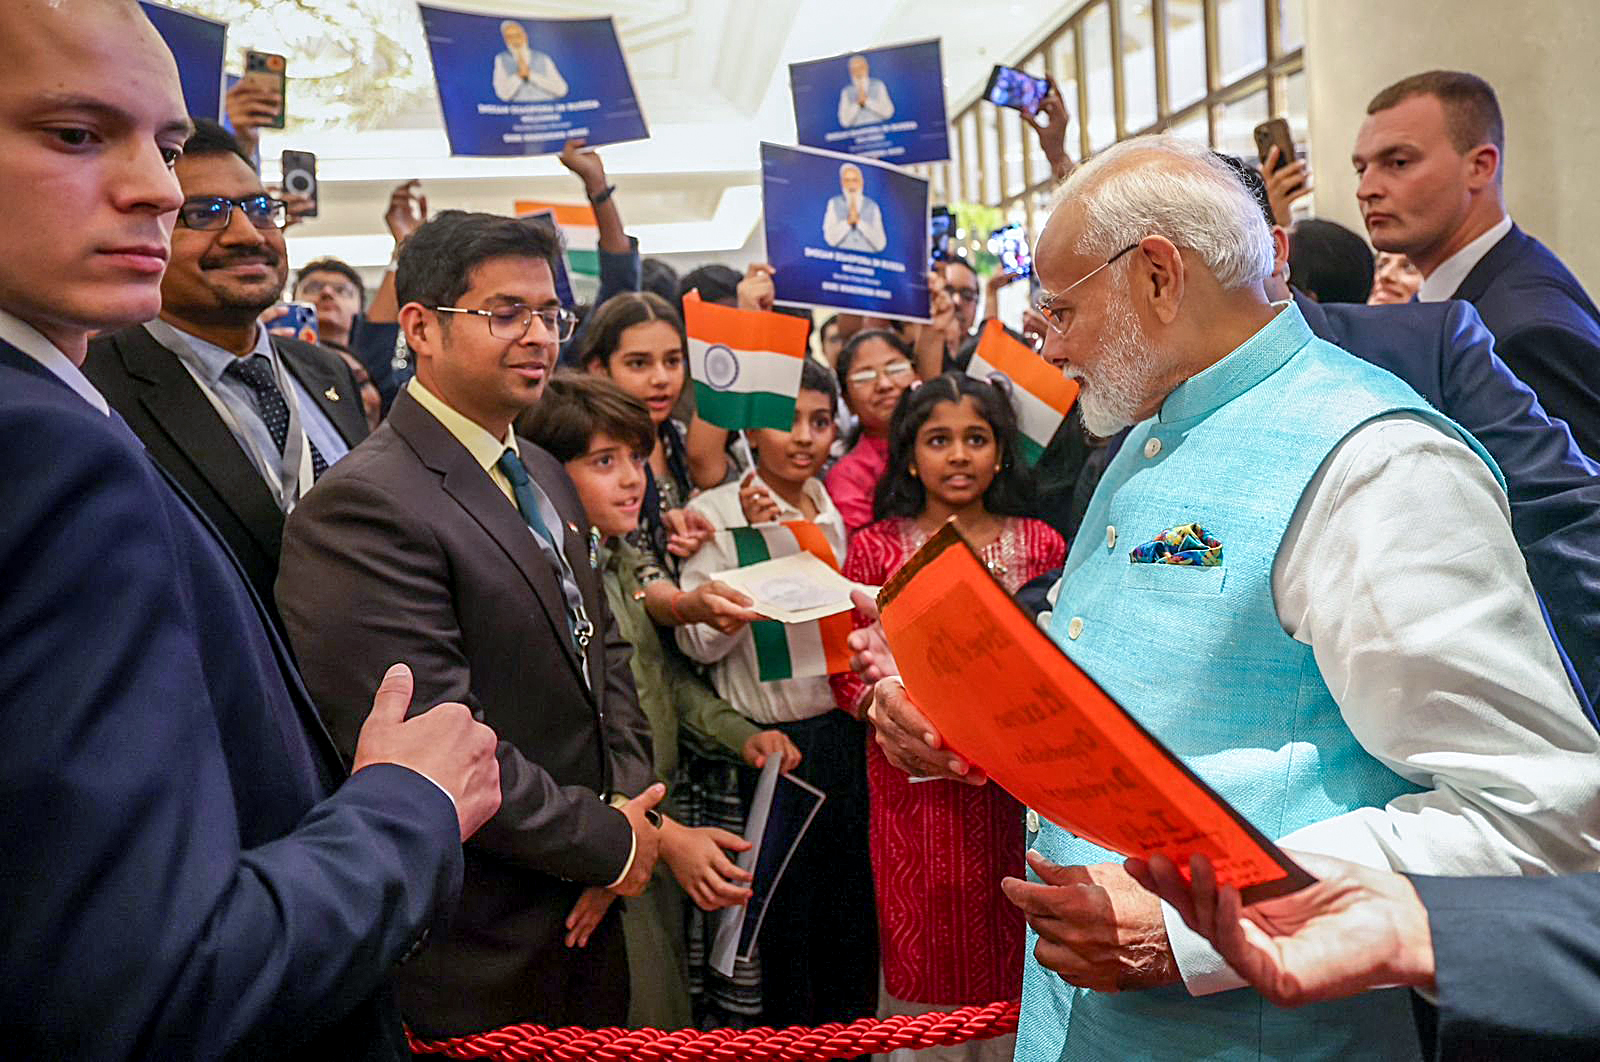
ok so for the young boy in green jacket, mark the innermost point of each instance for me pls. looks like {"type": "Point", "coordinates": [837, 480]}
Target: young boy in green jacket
{"type": "Point", "coordinates": [603, 437]}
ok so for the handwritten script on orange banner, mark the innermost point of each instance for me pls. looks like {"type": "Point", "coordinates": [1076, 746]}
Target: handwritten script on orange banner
{"type": "Point", "coordinates": [1004, 696]}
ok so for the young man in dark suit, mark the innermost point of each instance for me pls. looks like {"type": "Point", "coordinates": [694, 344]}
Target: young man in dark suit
{"type": "Point", "coordinates": [445, 540]}
{"type": "Point", "coordinates": [243, 420]}
{"type": "Point", "coordinates": [1431, 162]}
{"type": "Point", "coordinates": [192, 873]}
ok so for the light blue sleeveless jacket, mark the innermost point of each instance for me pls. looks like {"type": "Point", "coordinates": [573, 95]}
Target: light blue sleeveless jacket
{"type": "Point", "coordinates": [1199, 657]}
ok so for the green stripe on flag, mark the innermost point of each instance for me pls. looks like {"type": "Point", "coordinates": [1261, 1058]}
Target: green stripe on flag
{"type": "Point", "coordinates": [1029, 450]}
{"type": "Point", "coordinates": [735, 410]}
{"type": "Point", "coordinates": [585, 262]}
{"type": "Point", "coordinates": [772, 643]}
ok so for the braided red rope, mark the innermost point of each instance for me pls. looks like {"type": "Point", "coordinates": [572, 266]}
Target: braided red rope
{"type": "Point", "coordinates": [536, 1043]}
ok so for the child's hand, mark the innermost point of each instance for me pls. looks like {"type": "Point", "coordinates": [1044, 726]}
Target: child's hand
{"type": "Point", "coordinates": [756, 290]}
{"type": "Point", "coordinates": [767, 744]}
{"type": "Point", "coordinates": [696, 858]}
{"type": "Point", "coordinates": [592, 905]}
{"type": "Point", "coordinates": [718, 605]}
{"type": "Point", "coordinates": [757, 502]}
{"type": "Point", "coordinates": [687, 531]}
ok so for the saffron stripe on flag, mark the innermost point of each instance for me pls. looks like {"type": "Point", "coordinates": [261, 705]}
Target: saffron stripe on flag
{"type": "Point", "coordinates": [745, 364]}
{"type": "Point", "coordinates": [1041, 395]}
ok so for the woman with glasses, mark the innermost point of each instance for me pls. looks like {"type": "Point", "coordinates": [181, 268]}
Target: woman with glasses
{"type": "Point", "coordinates": [874, 369]}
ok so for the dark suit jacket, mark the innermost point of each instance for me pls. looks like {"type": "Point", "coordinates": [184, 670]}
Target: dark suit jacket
{"type": "Point", "coordinates": [1443, 351]}
{"type": "Point", "coordinates": [408, 551]}
{"type": "Point", "coordinates": [182, 878]}
{"type": "Point", "coordinates": [1545, 327]}
{"type": "Point", "coordinates": [148, 385]}
{"type": "Point", "coordinates": [1517, 962]}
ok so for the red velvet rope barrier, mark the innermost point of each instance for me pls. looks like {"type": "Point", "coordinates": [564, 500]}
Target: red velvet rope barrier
{"type": "Point", "coordinates": [536, 1043]}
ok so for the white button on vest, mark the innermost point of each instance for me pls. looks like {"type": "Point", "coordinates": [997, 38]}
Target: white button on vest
{"type": "Point", "coordinates": [1033, 821]}
{"type": "Point", "coordinates": [1111, 537]}
{"type": "Point", "coordinates": [1075, 627]}
{"type": "Point", "coordinates": [1152, 446]}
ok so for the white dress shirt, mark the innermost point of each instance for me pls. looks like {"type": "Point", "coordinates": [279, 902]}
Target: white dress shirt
{"type": "Point", "coordinates": [31, 341]}
{"type": "Point", "coordinates": [735, 672]}
{"type": "Point", "coordinates": [208, 364]}
{"type": "Point", "coordinates": [1400, 571]}
{"type": "Point", "coordinates": [1442, 283]}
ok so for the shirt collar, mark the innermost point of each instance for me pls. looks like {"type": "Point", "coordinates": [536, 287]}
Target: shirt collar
{"type": "Point", "coordinates": [31, 341]}
{"type": "Point", "coordinates": [208, 360]}
{"type": "Point", "coordinates": [484, 448]}
{"type": "Point", "coordinates": [1442, 283]}
{"type": "Point", "coordinates": [1257, 358]}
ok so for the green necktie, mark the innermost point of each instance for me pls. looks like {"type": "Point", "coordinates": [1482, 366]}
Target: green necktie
{"type": "Point", "coordinates": [522, 490]}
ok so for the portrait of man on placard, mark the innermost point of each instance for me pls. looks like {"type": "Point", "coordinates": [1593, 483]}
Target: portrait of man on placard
{"type": "Point", "coordinates": [523, 74]}
{"type": "Point", "coordinates": [865, 100]}
{"type": "Point", "coordinates": [853, 222]}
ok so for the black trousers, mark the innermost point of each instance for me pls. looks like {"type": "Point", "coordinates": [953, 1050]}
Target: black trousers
{"type": "Point", "coordinates": [819, 942]}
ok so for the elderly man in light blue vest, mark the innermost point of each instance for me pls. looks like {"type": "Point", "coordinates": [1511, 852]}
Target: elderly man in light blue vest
{"type": "Point", "coordinates": [1355, 659]}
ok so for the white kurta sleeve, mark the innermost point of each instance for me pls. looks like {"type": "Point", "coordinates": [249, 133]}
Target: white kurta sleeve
{"type": "Point", "coordinates": [1400, 571]}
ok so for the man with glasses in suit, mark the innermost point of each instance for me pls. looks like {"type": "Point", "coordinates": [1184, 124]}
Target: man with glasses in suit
{"type": "Point", "coordinates": [478, 539]}
{"type": "Point", "coordinates": [244, 421]}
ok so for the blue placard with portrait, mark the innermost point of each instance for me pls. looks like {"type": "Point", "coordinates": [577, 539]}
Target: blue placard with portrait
{"type": "Point", "coordinates": [199, 45]}
{"type": "Point", "coordinates": [882, 103]}
{"type": "Point", "coordinates": [525, 86]}
{"type": "Point", "coordinates": [845, 233]}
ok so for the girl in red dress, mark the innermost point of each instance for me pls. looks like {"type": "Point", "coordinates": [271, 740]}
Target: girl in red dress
{"type": "Point", "coordinates": [940, 848]}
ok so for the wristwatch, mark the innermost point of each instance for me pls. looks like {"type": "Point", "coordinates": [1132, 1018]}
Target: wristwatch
{"type": "Point", "coordinates": [596, 200]}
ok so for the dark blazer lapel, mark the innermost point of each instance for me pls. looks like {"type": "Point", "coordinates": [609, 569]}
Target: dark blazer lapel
{"type": "Point", "coordinates": [470, 486]}
{"type": "Point", "coordinates": [575, 544]}
{"type": "Point", "coordinates": [320, 377]}
{"type": "Point", "coordinates": [174, 401]}
{"type": "Point", "coordinates": [1491, 265]}
{"type": "Point", "coordinates": [310, 718]}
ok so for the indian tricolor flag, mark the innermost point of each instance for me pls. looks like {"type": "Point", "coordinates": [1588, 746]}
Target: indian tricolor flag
{"type": "Point", "coordinates": [1041, 395]}
{"type": "Point", "coordinates": [793, 650]}
{"type": "Point", "coordinates": [745, 364]}
{"type": "Point", "coordinates": [579, 232]}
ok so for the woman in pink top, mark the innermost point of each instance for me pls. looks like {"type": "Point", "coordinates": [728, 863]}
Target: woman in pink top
{"type": "Point", "coordinates": [874, 370]}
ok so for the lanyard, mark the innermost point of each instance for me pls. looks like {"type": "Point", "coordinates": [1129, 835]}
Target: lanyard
{"type": "Point", "coordinates": [288, 477]}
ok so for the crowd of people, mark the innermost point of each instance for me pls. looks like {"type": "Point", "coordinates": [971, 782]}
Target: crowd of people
{"type": "Point", "coordinates": [388, 676]}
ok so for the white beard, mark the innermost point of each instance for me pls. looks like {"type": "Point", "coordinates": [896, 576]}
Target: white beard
{"type": "Point", "coordinates": [1124, 376]}
{"type": "Point", "coordinates": [860, 83]}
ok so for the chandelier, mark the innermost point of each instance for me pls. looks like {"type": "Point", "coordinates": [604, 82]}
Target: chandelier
{"type": "Point", "coordinates": [351, 63]}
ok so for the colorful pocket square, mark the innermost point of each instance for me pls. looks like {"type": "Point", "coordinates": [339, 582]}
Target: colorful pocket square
{"type": "Point", "coordinates": [1187, 544]}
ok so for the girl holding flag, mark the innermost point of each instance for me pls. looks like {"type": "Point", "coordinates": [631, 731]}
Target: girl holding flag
{"type": "Point", "coordinates": [939, 849]}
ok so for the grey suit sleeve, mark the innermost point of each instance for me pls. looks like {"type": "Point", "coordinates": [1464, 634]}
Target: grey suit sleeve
{"type": "Point", "coordinates": [363, 585]}
{"type": "Point", "coordinates": [1518, 965]}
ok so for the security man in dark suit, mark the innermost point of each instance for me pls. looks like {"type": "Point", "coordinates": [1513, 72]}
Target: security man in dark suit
{"type": "Point", "coordinates": [445, 540]}
{"type": "Point", "coordinates": [1430, 158]}
{"type": "Point", "coordinates": [191, 871]}
{"type": "Point", "coordinates": [244, 421]}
